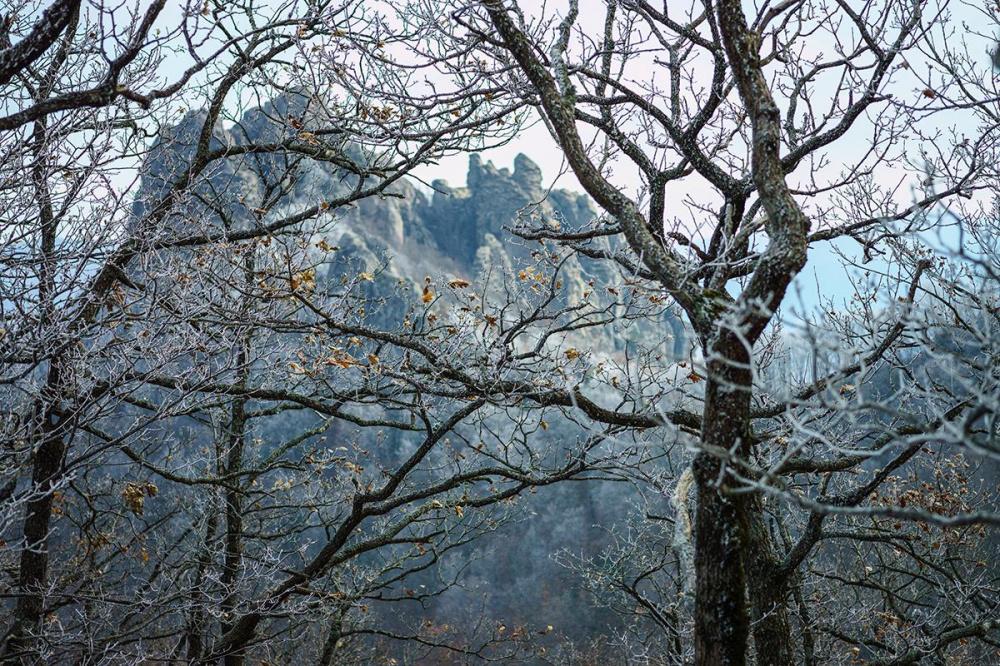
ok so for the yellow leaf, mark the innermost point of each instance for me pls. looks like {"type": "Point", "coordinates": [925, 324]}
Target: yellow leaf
{"type": "Point", "coordinates": [304, 280]}
{"type": "Point", "coordinates": [695, 377]}
{"type": "Point", "coordinates": [458, 284]}
{"type": "Point", "coordinates": [572, 353]}
{"type": "Point", "coordinates": [427, 296]}
{"type": "Point", "coordinates": [366, 276]}
{"type": "Point", "coordinates": [134, 496]}
{"type": "Point", "coordinates": [544, 425]}
{"type": "Point", "coordinates": [341, 359]}
{"type": "Point", "coordinates": [459, 510]}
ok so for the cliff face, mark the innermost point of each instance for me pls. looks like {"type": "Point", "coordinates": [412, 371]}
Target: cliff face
{"type": "Point", "coordinates": [442, 232]}
{"type": "Point", "coordinates": [448, 231]}
{"type": "Point", "coordinates": [460, 220]}
{"type": "Point", "coordinates": [403, 236]}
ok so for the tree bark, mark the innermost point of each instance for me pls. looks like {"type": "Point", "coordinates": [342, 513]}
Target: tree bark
{"type": "Point", "coordinates": [34, 563]}
{"type": "Point", "coordinates": [233, 556]}
{"type": "Point", "coordinates": [722, 623]}
{"type": "Point", "coordinates": [235, 443]}
{"type": "Point", "coordinates": [49, 443]}
{"type": "Point", "coordinates": [734, 552]}
{"type": "Point", "coordinates": [767, 592]}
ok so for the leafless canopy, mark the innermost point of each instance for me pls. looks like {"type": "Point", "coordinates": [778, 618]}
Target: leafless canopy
{"type": "Point", "coordinates": [224, 440]}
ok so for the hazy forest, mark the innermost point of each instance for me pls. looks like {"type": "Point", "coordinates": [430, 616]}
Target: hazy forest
{"type": "Point", "coordinates": [584, 332]}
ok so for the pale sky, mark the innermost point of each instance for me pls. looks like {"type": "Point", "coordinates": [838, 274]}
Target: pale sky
{"type": "Point", "coordinates": [535, 142]}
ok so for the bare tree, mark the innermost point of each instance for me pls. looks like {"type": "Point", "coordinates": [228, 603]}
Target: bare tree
{"type": "Point", "coordinates": [111, 327]}
{"type": "Point", "coordinates": [193, 380]}
{"type": "Point", "coordinates": [225, 439]}
{"type": "Point", "coordinates": [765, 114]}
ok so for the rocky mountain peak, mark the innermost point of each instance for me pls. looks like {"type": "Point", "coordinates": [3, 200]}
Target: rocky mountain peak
{"type": "Point", "coordinates": [445, 232]}
{"type": "Point", "coordinates": [460, 219]}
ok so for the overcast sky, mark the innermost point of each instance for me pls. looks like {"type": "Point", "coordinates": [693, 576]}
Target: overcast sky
{"type": "Point", "coordinates": [824, 269]}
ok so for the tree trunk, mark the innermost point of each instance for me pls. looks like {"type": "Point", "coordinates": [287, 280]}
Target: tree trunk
{"type": "Point", "coordinates": [767, 593]}
{"type": "Point", "coordinates": [49, 439]}
{"type": "Point", "coordinates": [330, 647]}
{"type": "Point", "coordinates": [233, 557]}
{"type": "Point", "coordinates": [235, 443]}
{"type": "Point", "coordinates": [734, 552]}
{"type": "Point", "coordinates": [34, 564]}
{"type": "Point", "coordinates": [721, 622]}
